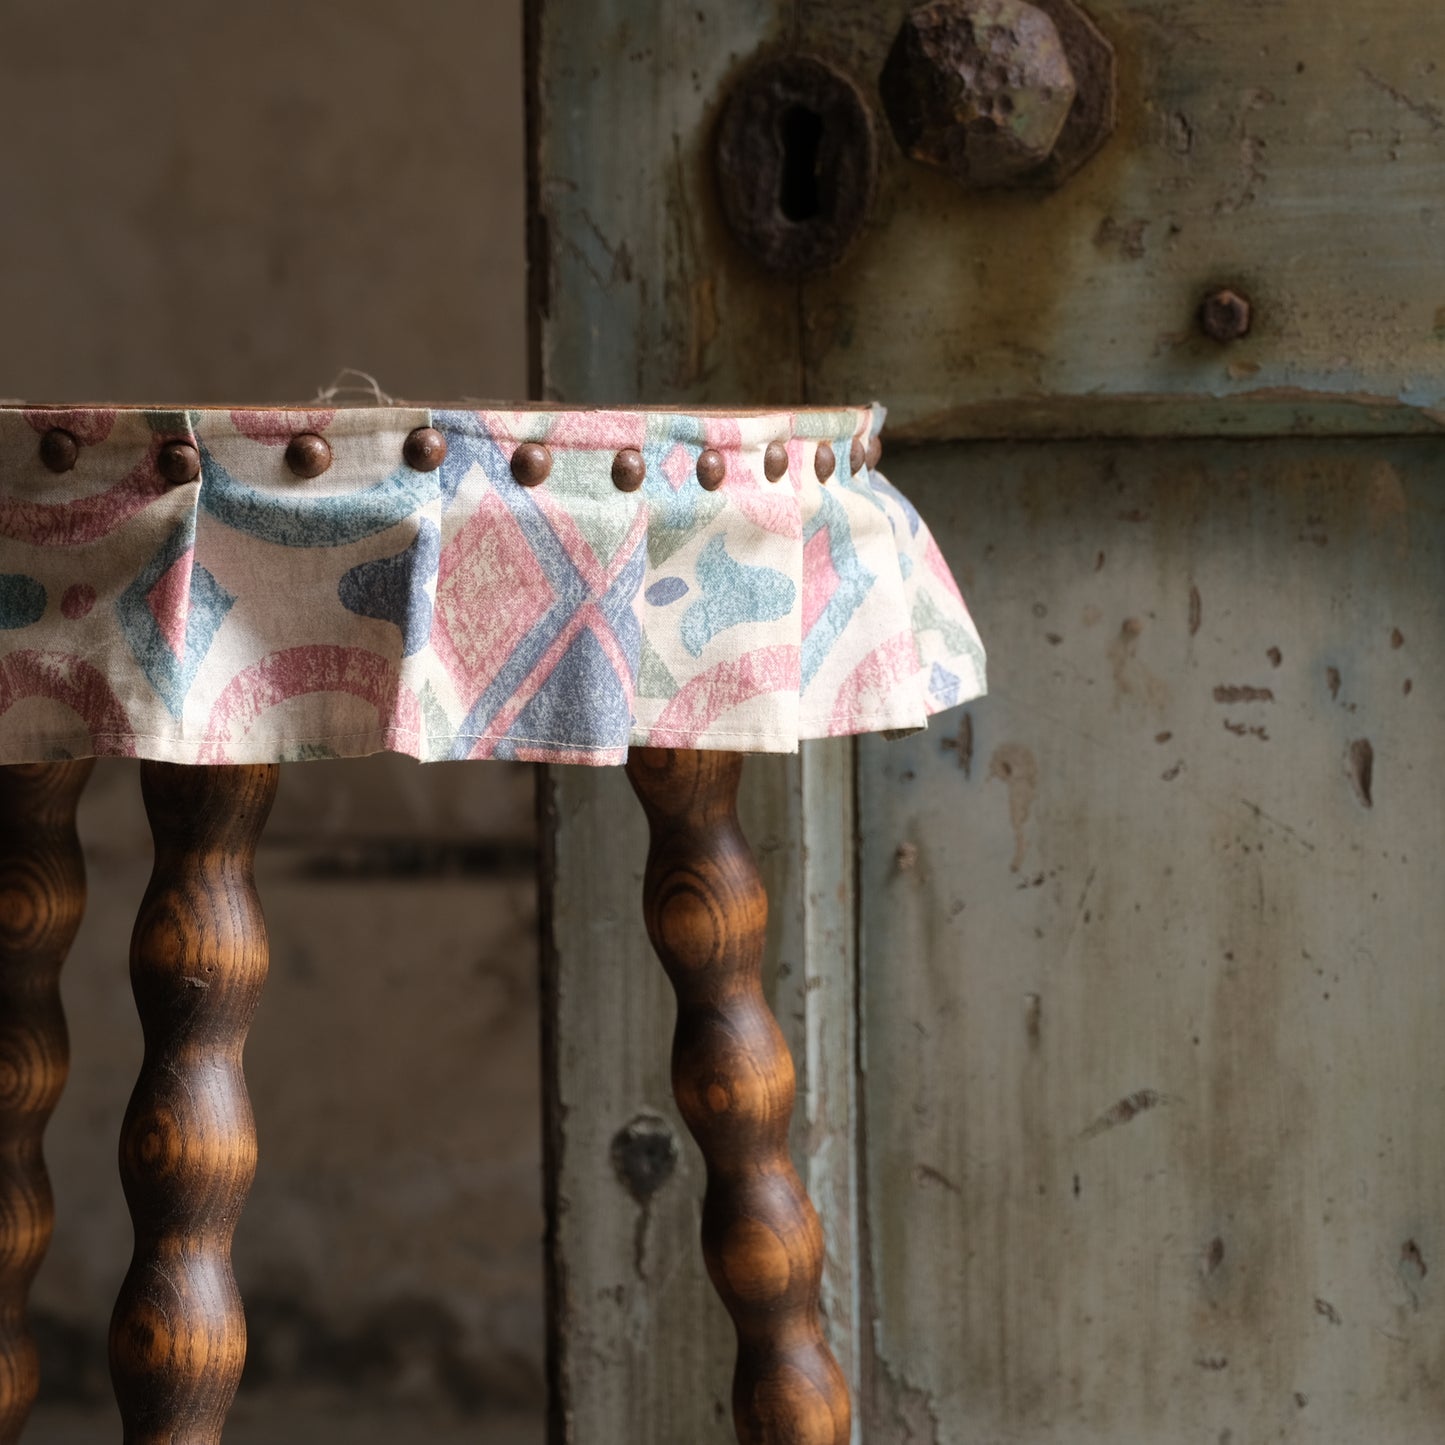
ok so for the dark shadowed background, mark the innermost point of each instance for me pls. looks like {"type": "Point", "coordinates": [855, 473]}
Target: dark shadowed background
{"type": "Point", "coordinates": [214, 202]}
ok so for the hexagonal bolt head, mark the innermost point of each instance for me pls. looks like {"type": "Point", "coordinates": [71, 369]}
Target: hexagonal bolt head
{"type": "Point", "coordinates": [980, 88]}
{"type": "Point", "coordinates": [1000, 93]}
{"type": "Point", "coordinates": [1226, 315]}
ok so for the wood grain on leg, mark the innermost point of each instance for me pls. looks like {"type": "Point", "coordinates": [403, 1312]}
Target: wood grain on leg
{"type": "Point", "coordinates": [188, 1144]}
{"type": "Point", "coordinates": [733, 1078]}
{"type": "Point", "coordinates": [42, 896]}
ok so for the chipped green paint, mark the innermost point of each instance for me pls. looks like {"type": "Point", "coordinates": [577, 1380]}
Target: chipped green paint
{"type": "Point", "coordinates": [1151, 1003]}
{"type": "Point", "coordinates": [1105, 895]}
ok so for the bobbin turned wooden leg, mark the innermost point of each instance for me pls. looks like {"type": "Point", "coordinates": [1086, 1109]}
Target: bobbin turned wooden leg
{"type": "Point", "coordinates": [188, 1144]}
{"type": "Point", "coordinates": [733, 1078]}
{"type": "Point", "coordinates": [42, 896]}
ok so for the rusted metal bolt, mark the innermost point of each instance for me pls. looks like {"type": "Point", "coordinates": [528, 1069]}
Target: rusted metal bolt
{"type": "Point", "coordinates": [1225, 315]}
{"type": "Point", "coordinates": [1001, 93]}
{"type": "Point", "coordinates": [979, 88]}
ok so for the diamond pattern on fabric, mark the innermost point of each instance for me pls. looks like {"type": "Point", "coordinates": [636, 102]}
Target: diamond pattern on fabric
{"type": "Point", "coordinates": [252, 616]}
{"type": "Point", "coordinates": [170, 616]}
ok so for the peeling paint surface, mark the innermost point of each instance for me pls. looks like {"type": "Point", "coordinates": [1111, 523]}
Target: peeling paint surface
{"type": "Point", "coordinates": [1288, 150]}
{"type": "Point", "coordinates": [641, 1336]}
{"type": "Point", "coordinates": [1153, 1147]}
{"type": "Point", "coordinates": [1149, 1005]}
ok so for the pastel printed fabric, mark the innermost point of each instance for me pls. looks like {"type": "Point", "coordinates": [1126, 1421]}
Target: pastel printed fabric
{"type": "Point", "coordinates": [251, 616]}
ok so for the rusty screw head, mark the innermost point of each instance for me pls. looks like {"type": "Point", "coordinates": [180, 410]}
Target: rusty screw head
{"type": "Point", "coordinates": [775, 462]}
{"type": "Point", "coordinates": [825, 462]}
{"type": "Point", "coordinates": [712, 469]}
{"type": "Point", "coordinates": [179, 463]}
{"type": "Point", "coordinates": [308, 455]}
{"type": "Point", "coordinates": [532, 464]}
{"type": "Point", "coordinates": [59, 449]}
{"type": "Point", "coordinates": [629, 470]}
{"type": "Point", "coordinates": [979, 88]}
{"type": "Point", "coordinates": [424, 449]}
{"type": "Point", "coordinates": [1225, 315]}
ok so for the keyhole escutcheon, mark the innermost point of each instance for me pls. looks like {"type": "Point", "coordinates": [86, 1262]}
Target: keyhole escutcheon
{"type": "Point", "coordinates": [797, 162]}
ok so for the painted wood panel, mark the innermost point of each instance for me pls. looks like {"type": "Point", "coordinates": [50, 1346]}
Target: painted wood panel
{"type": "Point", "coordinates": [1289, 147]}
{"type": "Point", "coordinates": [1152, 999]}
{"type": "Point", "coordinates": [641, 1347]}
{"type": "Point", "coordinates": [639, 295]}
{"type": "Point", "coordinates": [1144, 1117]}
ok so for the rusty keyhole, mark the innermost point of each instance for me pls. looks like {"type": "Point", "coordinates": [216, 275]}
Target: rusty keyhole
{"type": "Point", "coordinates": [798, 195]}
{"type": "Point", "coordinates": [797, 162]}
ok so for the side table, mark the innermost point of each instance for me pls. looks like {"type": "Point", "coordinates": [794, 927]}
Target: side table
{"type": "Point", "coordinates": [219, 591]}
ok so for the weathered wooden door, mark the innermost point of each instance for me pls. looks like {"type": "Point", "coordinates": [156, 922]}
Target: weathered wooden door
{"type": "Point", "coordinates": [1116, 1001]}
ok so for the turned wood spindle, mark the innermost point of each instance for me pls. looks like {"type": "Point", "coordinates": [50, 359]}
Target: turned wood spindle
{"type": "Point", "coordinates": [42, 897]}
{"type": "Point", "coordinates": [733, 1079]}
{"type": "Point", "coordinates": [188, 1144]}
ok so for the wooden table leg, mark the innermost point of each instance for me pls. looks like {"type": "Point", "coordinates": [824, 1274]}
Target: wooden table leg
{"type": "Point", "coordinates": [42, 897]}
{"type": "Point", "coordinates": [188, 1144]}
{"type": "Point", "coordinates": [733, 1078]}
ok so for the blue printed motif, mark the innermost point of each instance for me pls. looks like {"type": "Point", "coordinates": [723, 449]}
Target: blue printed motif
{"type": "Point", "coordinates": [732, 592]}
{"type": "Point", "coordinates": [887, 489]}
{"type": "Point", "coordinates": [397, 589]}
{"type": "Point", "coordinates": [582, 698]}
{"type": "Point", "coordinates": [22, 601]}
{"type": "Point", "coordinates": [666, 590]}
{"type": "Point", "coordinates": [171, 676]}
{"type": "Point", "coordinates": [675, 516]}
{"type": "Point", "coordinates": [854, 580]}
{"type": "Point", "coordinates": [944, 685]}
{"type": "Point", "coordinates": [469, 444]}
{"type": "Point", "coordinates": [303, 521]}
{"type": "Point", "coordinates": [563, 622]}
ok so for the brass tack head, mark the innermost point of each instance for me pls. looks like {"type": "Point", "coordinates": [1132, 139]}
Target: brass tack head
{"type": "Point", "coordinates": [628, 470]}
{"type": "Point", "coordinates": [59, 450]}
{"type": "Point", "coordinates": [875, 452]}
{"type": "Point", "coordinates": [824, 462]}
{"type": "Point", "coordinates": [178, 463]}
{"type": "Point", "coordinates": [308, 455]}
{"type": "Point", "coordinates": [711, 469]}
{"type": "Point", "coordinates": [855, 457]}
{"type": "Point", "coordinates": [424, 449]}
{"type": "Point", "coordinates": [531, 464]}
{"type": "Point", "coordinates": [775, 462]}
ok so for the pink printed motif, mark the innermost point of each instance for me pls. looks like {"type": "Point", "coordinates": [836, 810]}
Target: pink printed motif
{"type": "Point", "coordinates": [456, 613]}
{"type": "Point", "coordinates": [597, 430]}
{"type": "Point", "coordinates": [867, 690]}
{"type": "Point", "coordinates": [276, 428]}
{"type": "Point", "coordinates": [699, 705]}
{"type": "Point", "coordinates": [77, 602]}
{"type": "Point", "coordinates": [169, 600]}
{"type": "Point", "coordinates": [88, 425]}
{"type": "Point", "coordinates": [491, 592]}
{"type": "Point", "coordinates": [85, 520]}
{"type": "Point", "coordinates": [300, 671]}
{"type": "Point", "coordinates": [820, 578]}
{"type": "Point", "coordinates": [75, 683]}
{"type": "Point", "coordinates": [678, 468]}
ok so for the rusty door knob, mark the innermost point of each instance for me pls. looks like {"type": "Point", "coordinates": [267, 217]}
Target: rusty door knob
{"type": "Point", "coordinates": [999, 93]}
